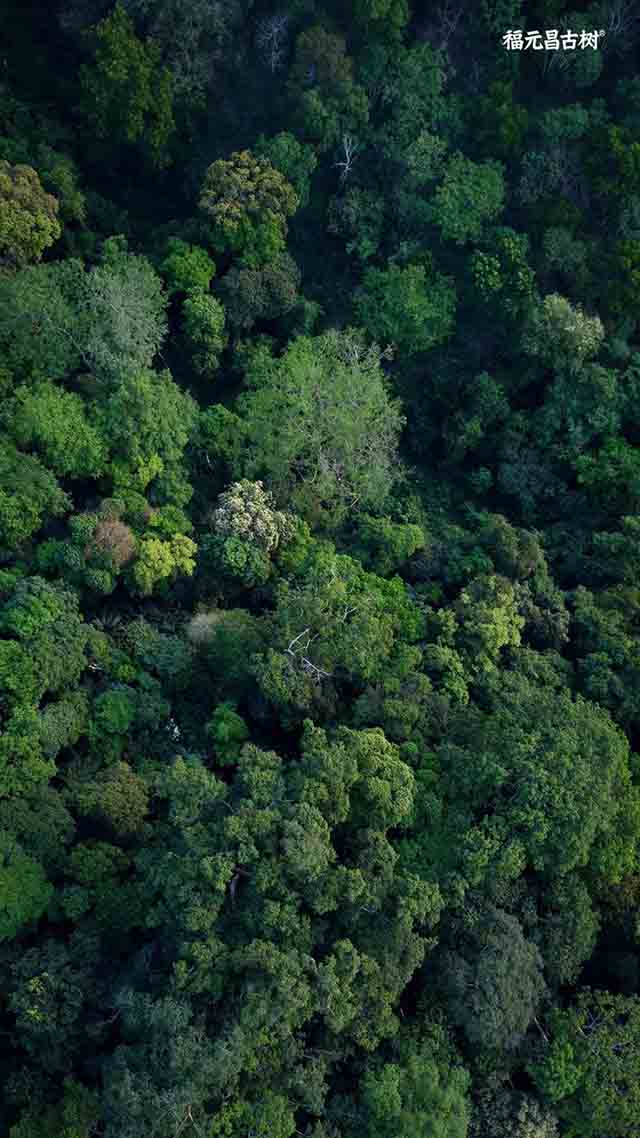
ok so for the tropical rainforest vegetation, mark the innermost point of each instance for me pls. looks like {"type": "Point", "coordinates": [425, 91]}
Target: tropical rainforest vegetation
{"type": "Point", "coordinates": [319, 557]}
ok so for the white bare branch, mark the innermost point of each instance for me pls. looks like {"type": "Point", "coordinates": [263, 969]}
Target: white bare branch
{"type": "Point", "coordinates": [271, 38]}
{"type": "Point", "coordinates": [449, 15]}
{"type": "Point", "coordinates": [349, 150]}
{"type": "Point", "coordinates": [621, 16]}
{"type": "Point", "coordinates": [308, 667]}
{"type": "Point", "coordinates": [313, 670]}
{"type": "Point", "coordinates": [295, 640]}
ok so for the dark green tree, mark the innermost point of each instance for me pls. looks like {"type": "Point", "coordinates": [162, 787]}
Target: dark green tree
{"type": "Point", "coordinates": [127, 95]}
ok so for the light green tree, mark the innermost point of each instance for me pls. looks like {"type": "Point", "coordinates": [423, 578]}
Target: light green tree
{"type": "Point", "coordinates": [55, 423]}
{"type": "Point", "coordinates": [423, 1094]}
{"type": "Point", "coordinates": [470, 195]}
{"type": "Point", "coordinates": [561, 335]}
{"type": "Point", "coordinates": [407, 307]}
{"type": "Point", "coordinates": [247, 201]}
{"type": "Point", "coordinates": [203, 319]}
{"type": "Point", "coordinates": [28, 216]}
{"type": "Point", "coordinates": [320, 423]}
{"type": "Point", "coordinates": [57, 318]}
{"type": "Point", "coordinates": [186, 268]}
{"type": "Point", "coordinates": [24, 889]}
{"type": "Point", "coordinates": [158, 561]}
{"type": "Point", "coordinates": [123, 308]}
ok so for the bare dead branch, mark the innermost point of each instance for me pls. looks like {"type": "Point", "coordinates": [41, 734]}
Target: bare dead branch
{"type": "Point", "coordinates": [308, 667]}
{"type": "Point", "coordinates": [271, 38]}
{"type": "Point", "coordinates": [349, 150]}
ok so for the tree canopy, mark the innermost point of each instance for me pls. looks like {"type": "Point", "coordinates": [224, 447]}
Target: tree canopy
{"type": "Point", "coordinates": [319, 560]}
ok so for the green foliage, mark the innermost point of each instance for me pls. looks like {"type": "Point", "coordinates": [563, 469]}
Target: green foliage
{"type": "Point", "coordinates": [382, 17]}
{"type": "Point", "coordinates": [57, 171]}
{"type": "Point", "coordinates": [407, 307]}
{"type": "Point", "coordinates": [24, 889]}
{"type": "Point", "coordinates": [339, 619]}
{"type": "Point", "coordinates": [561, 335]}
{"type": "Point", "coordinates": [227, 731]}
{"type": "Point", "coordinates": [46, 625]}
{"type": "Point", "coordinates": [388, 545]}
{"type": "Point", "coordinates": [415, 90]}
{"type": "Point", "coordinates": [485, 407]}
{"type": "Point", "coordinates": [494, 982]}
{"type": "Point", "coordinates": [247, 202]}
{"type": "Point", "coordinates": [298, 436]}
{"type": "Point", "coordinates": [29, 494]}
{"type": "Point", "coordinates": [316, 735]}
{"type": "Point", "coordinates": [41, 824]}
{"type": "Point", "coordinates": [295, 160]}
{"type": "Point", "coordinates": [497, 15]}
{"type": "Point", "coordinates": [196, 39]}
{"type": "Point", "coordinates": [146, 421]}
{"type": "Point", "coordinates": [126, 94]}
{"type": "Point", "coordinates": [512, 1115]}
{"type": "Point", "coordinates": [247, 532]}
{"type": "Point", "coordinates": [219, 435]}
{"type": "Point", "coordinates": [159, 561]}
{"type": "Point", "coordinates": [28, 215]}
{"type": "Point", "coordinates": [611, 473]}
{"type": "Point", "coordinates": [118, 796]}
{"type": "Point", "coordinates": [186, 268]}
{"type": "Point", "coordinates": [203, 322]}
{"type": "Point", "coordinates": [74, 1116]}
{"type": "Point", "coordinates": [56, 318]}
{"type": "Point", "coordinates": [424, 1095]}
{"type": "Point", "coordinates": [126, 319]}
{"type": "Point", "coordinates": [38, 314]}
{"type": "Point", "coordinates": [54, 422]}
{"type": "Point", "coordinates": [98, 547]}
{"type": "Point", "coordinates": [489, 621]}
{"type": "Point", "coordinates": [556, 796]}
{"type": "Point", "coordinates": [230, 640]}
{"type": "Point", "coordinates": [559, 1075]}
{"type": "Point", "coordinates": [567, 256]}
{"type": "Point", "coordinates": [114, 711]}
{"type": "Point", "coordinates": [470, 195]}
{"type": "Point", "coordinates": [625, 277]}
{"type": "Point", "coordinates": [614, 161]}
{"type": "Point", "coordinates": [270, 1118]}
{"type": "Point", "coordinates": [63, 723]}
{"type": "Point", "coordinates": [568, 931]}
{"type": "Point", "coordinates": [259, 293]}
{"type": "Point", "coordinates": [49, 987]}
{"type": "Point", "coordinates": [502, 122]}
{"type": "Point", "coordinates": [327, 100]}
{"type": "Point", "coordinates": [591, 1069]}
{"type": "Point", "coordinates": [501, 272]}
{"type": "Point", "coordinates": [358, 215]}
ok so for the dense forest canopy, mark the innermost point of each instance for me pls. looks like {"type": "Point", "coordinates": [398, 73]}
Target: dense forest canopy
{"type": "Point", "coordinates": [319, 555]}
